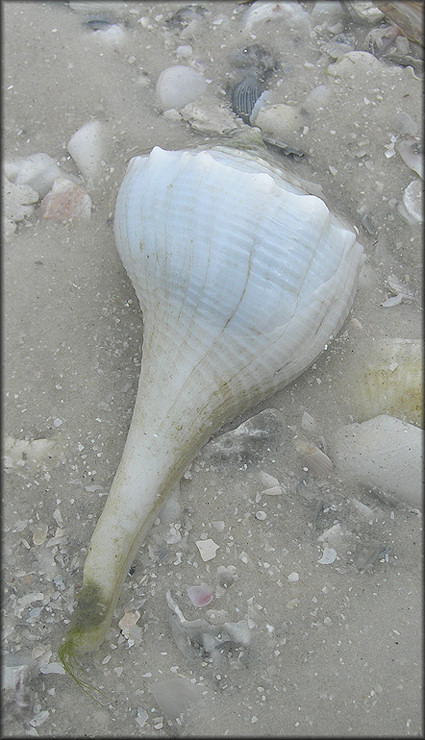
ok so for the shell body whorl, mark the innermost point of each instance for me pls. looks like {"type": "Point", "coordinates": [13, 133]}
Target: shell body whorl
{"type": "Point", "coordinates": [240, 275]}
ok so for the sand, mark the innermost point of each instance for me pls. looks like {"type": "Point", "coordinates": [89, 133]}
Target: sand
{"type": "Point", "coordinates": [335, 647]}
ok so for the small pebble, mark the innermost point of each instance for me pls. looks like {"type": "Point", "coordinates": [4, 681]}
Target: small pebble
{"type": "Point", "coordinates": [261, 515]}
{"type": "Point", "coordinates": [88, 148]}
{"type": "Point", "coordinates": [179, 85]}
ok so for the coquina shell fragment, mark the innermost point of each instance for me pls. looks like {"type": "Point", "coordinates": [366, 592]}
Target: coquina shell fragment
{"type": "Point", "coordinates": [384, 452]}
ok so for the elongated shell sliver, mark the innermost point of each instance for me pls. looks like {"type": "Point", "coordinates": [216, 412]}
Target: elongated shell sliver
{"type": "Point", "coordinates": [242, 280]}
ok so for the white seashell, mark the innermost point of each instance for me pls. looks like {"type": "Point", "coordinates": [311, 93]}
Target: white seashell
{"type": "Point", "coordinates": [390, 382]}
{"type": "Point", "coordinates": [177, 86]}
{"type": "Point", "coordinates": [242, 279]}
{"type": "Point", "coordinates": [412, 201]}
{"type": "Point", "coordinates": [384, 452]}
{"type": "Point", "coordinates": [88, 147]}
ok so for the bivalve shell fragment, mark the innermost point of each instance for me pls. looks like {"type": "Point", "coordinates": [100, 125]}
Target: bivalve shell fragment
{"type": "Point", "coordinates": [384, 452]}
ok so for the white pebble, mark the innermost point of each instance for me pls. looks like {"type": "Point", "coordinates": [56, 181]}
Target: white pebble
{"type": "Point", "coordinates": [293, 577]}
{"type": "Point", "coordinates": [38, 171]}
{"type": "Point", "coordinates": [87, 148]}
{"type": "Point", "coordinates": [179, 85]}
{"type": "Point", "coordinates": [261, 515]}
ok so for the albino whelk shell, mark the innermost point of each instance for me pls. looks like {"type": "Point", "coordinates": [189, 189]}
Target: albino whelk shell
{"type": "Point", "coordinates": [242, 280]}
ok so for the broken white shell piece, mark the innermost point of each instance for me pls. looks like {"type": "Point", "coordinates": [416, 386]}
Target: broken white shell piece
{"type": "Point", "coordinates": [197, 637]}
{"type": "Point", "coordinates": [317, 462]}
{"type": "Point", "coordinates": [18, 452]}
{"type": "Point", "coordinates": [54, 667]}
{"type": "Point", "coordinates": [388, 382]}
{"type": "Point", "coordinates": [268, 480]}
{"type": "Point", "coordinates": [65, 202]}
{"type": "Point", "coordinates": [113, 36]}
{"type": "Point", "coordinates": [207, 549]}
{"type": "Point", "coordinates": [409, 150]}
{"type": "Point", "coordinates": [200, 595]}
{"type": "Point", "coordinates": [17, 692]}
{"type": "Point", "coordinates": [17, 204]}
{"type": "Point", "coordinates": [176, 696]}
{"type": "Point", "coordinates": [127, 622]}
{"type": "Point", "coordinates": [332, 536]}
{"type": "Point", "coordinates": [39, 534]}
{"type": "Point", "coordinates": [88, 148]}
{"type": "Point", "coordinates": [273, 491]}
{"type": "Point", "coordinates": [207, 116]}
{"type": "Point", "coordinates": [308, 423]}
{"type": "Point", "coordinates": [412, 202]}
{"type": "Point", "coordinates": [384, 452]}
{"type": "Point", "coordinates": [38, 171]}
{"type": "Point", "coordinates": [294, 17]}
{"type": "Point", "coordinates": [329, 556]}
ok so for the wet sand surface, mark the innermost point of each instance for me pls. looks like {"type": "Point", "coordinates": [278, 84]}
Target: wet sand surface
{"type": "Point", "coordinates": [335, 641]}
